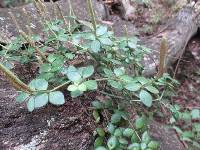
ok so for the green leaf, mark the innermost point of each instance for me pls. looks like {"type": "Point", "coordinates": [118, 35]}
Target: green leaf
{"type": "Point", "coordinates": [112, 142]}
{"type": "Point", "coordinates": [119, 71]}
{"type": "Point", "coordinates": [196, 144]}
{"type": "Point", "coordinates": [51, 57]}
{"type": "Point", "coordinates": [126, 78]}
{"type": "Point", "coordinates": [56, 98]}
{"type": "Point", "coordinates": [128, 132]}
{"type": "Point", "coordinates": [73, 74]}
{"type": "Point", "coordinates": [76, 93]}
{"type": "Point", "coordinates": [153, 145]}
{"type": "Point", "coordinates": [115, 84]}
{"type": "Point", "coordinates": [111, 128]}
{"type": "Point", "coordinates": [134, 138]}
{"type": "Point", "coordinates": [62, 37]}
{"type": "Point", "coordinates": [188, 134]}
{"type": "Point", "coordinates": [116, 118]}
{"type": "Point", "coordinates": [108, 72]}
{"type": "Point", "coordinates": [106, 41]}
{"type": "Point", "coordinates": [72, 87]}
{"type": "Point", "coordinates": [132, 86]}
{"type": "Point", "coordinates": [132, 44]}
{"type": "Point", "coordinates": [98, 142]}
{"type": "Point", "coordinates": [134, 146]}
{"type": "Point", "coordinates": [101, 30]}
{"type": "Point", "coordinates": [41, 100]}
{"type": "Point", "coordinates": [123, 141]}
{"type": "Point", "coordinates": [118, 132]}
{"type": "Point", "coordinates": [152, 89]}
{"type": "Point", "coordinates": [100, 132]}
{"type": "Point", "coordinates": [186, 116]}
{"type": "Point", "coordinates": [31, 104]}
{"type": "Point", "coordinates": [91, 84]}
{"type": "Point", "coordinates": [96, 116]}
{"type": "Point", "coordinates": [143, 146]}
{"type": "Point", "coordinates": [45, 68]}
{"type": "Point", "coordinates": [38, 84]}
{"type": "Point", "coordinates": [97, 105]}
{"type": "Point", "coordinates": [82, 87]}
{"type": "Point", "coordinates": [195, 114]}
{"type": "Point", "coordinates": [143, 80]}
{"type": "Point", "coordinates": [22, 97]}
{"type": "Point", "coordinates": [146, 98]}
{"type": "Point", "coordinates": [95, 46]}
{"type": "Point", "coordinates": [88, 71]}
{"type": "Point", "coordinates": [140, 123]}
{"type": "Point", "coordinates": [145, 137]}
{"type": "Point", "coordinates": [101, 148]}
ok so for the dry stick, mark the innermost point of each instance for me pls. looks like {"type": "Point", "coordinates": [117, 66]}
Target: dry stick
{"type": "Point", "coordinates": [162, 60]}
{"type": "Point", "coordinates": [179, 60]}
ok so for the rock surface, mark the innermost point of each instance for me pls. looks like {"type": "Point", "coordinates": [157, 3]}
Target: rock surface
{"type": "Point", "coordinates": [34, 20]}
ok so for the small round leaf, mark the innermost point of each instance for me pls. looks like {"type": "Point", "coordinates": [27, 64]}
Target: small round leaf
{"type": "Point", "coordinates": [41, 100]}
{"type": "Point", "coordinates": [146, 98]}
{"type": "Point", "coordinates": [56, 98]}
{"type": "Point", "coordinates": [31, 104]}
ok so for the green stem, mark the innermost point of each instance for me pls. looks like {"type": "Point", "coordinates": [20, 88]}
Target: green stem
{"type": "Point", "coordinates": [111, 95]}
{"type": "Point", "coordinates": [60, 86]}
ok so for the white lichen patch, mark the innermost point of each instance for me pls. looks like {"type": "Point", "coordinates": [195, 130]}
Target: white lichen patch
{"type": "Point", "coordinates": [2, 18]}
{"type": "Point", "coordinates": [36, 141]}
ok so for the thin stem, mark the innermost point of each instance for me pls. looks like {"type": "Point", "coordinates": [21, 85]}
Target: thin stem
{"type": "Point", "coordinates": [134, 130]}
{"type": "Point", "coordinates": [60, 86]}
{"type": "Point", "coordinates": [111, 95]}
{"type": "Point", "coordinates": [103, 79]}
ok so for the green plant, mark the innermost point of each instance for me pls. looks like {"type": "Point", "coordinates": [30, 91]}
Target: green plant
{"type": "Point", "coordinates": [190, 131]}
{"type": "Point", "coordinates": [111, 57]}
{"type": "Point", "coordinates": [121, 132]}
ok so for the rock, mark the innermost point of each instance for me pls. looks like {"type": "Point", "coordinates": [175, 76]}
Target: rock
{"type": "Point", "coordinates": [119, 26]}
{"type": "Point", "coordinates": [34, 20]}
{"type": "Point", "coordinates": [167, 137]}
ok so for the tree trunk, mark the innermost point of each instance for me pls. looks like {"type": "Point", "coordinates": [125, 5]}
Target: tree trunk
{"type": "Point", "coordinates": [177, 33]}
